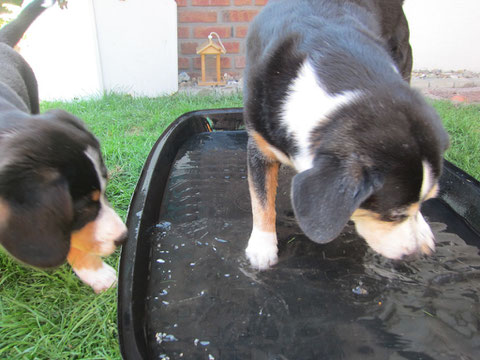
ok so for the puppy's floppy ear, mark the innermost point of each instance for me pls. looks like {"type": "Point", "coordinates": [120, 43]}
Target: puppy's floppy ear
{"type": "Point", "coordinates": [36, 221]}
{"type": "Point", "coordinates": [325, 196]}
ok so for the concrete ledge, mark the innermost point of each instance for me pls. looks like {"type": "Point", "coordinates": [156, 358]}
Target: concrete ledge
{"type": "Point", "coordinates": [436, 83]}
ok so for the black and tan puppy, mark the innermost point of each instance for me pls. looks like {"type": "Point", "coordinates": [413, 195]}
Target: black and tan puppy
{"type": "Point", "coordinates": [327, 93]}
{"type": "Point", "coordinates": [52, 176]}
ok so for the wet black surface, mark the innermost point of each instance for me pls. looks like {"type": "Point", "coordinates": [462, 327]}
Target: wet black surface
{"type": "Point", "coordinates": [333, 301]}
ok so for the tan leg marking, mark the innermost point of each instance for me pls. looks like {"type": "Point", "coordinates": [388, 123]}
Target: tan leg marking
{"type": "Point", "coordinates": [269, 151]}
{"type": "Point", "coordinates": [262, 246]}
{"type": "Point", "coordinates": [263, 146]}
{"type": "Point", "coordinates": [264, 215]}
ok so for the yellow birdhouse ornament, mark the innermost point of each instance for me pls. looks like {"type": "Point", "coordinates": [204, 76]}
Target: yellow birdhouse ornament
{"type": "Point", "coordinates": [210, 53]}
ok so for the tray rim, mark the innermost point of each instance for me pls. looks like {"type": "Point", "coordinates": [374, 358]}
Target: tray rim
{"type": "Point", "coordinates": [132, 336]}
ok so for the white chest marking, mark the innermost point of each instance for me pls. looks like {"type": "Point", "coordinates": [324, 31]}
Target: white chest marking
{"type": "Point", "coordinates": [307, 106]}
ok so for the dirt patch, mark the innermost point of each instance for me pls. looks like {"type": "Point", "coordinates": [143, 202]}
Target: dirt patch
{"type": "Point", "coordinates": [457, 86]}
{"type": "Point", "coordinates": [468, 95]}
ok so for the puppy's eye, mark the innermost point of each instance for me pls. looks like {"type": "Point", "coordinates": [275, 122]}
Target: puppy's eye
{"type": "Point", "coordinates": [399, 218]}
{"type": "Point", "coordinates": [394, 216]}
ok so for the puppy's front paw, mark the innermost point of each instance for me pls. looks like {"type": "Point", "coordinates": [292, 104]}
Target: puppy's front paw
{"type": "Point", "coordinates": [100, 279]}
{"type": "Point", "coordinates": [262, 249]}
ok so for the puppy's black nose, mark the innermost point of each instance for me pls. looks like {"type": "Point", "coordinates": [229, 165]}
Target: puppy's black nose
{"type": "Point", "coordinates": [122, 239]}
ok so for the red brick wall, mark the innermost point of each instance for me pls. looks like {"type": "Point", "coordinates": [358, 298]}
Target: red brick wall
{"type": "Point", "coordinates": [228, 18]}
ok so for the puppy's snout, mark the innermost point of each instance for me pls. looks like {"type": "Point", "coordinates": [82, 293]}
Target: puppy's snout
{"type": "Point", "coordinates": [122, 239]}
{"type": "Point", "coordinates": [412, 237]}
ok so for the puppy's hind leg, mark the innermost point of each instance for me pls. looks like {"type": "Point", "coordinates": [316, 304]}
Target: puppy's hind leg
{"type": "Point", "coordinates": [262, 181]}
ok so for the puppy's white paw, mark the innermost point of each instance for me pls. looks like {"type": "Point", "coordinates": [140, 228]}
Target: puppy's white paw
{"type": "Point", "coordinates": [262, 249]}
{"type": "Point", "coordinates": [262, 258]}
{"type": "Point", "coordinates": [100, 279]}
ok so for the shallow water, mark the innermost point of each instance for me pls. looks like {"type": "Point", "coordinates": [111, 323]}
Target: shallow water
{"type": "Point", "coordinates": [333, 301]}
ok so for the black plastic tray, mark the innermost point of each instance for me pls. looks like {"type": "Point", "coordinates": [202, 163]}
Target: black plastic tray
{"type": "Point", "coordinates": [187, 291]}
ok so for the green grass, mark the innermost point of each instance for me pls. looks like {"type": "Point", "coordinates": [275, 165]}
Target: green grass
{"type": "Point", "coordinates": [463, 124]}
{"type": "Point", "coordinates": [52, 315]}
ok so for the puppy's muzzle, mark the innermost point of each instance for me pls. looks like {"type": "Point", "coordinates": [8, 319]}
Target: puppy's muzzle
{"type": "Point", "coordinates": [122, 239]}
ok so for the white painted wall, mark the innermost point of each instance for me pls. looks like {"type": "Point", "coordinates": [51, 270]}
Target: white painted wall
{"type": "Point", "coordinates": [137, 41]}
{"type": "Point", "coordinates": [444, 34]}
{"type": "Point", "coordinates": [104, 45]}
{"type": "Point", "coordinates": [61, 48]}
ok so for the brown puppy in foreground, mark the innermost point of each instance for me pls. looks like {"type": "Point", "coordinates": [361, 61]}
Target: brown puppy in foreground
{"type": "Point", "coordinates": [52, 177]}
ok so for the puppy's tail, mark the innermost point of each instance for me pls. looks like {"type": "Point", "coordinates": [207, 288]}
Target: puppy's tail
{"type": "Point", "coordinates": [11, 33]}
